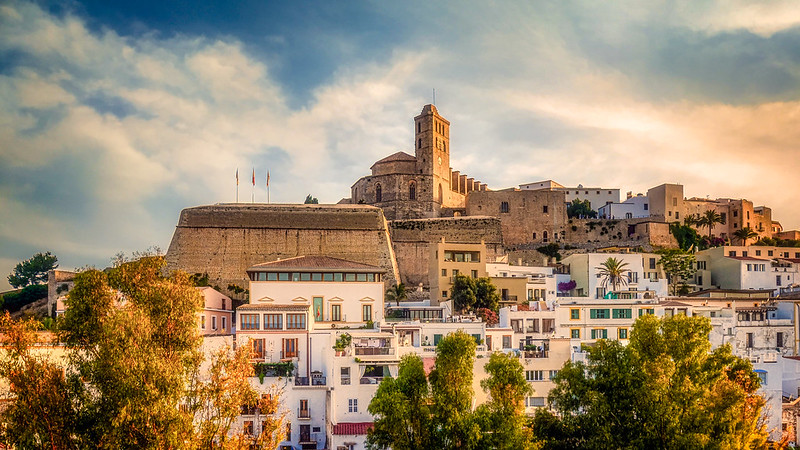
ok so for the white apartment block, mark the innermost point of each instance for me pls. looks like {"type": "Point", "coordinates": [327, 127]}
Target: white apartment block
{"type": "Point", "coordinates": [632, 208]}
{"type": "Point", "coordinates": [597, 196]}
{"type": "Point", "coordinates": [644, 278]}
{"type": "Point", "coordinates": [748, 267]}
{"type": "Point", "coordinates": [541, 283]}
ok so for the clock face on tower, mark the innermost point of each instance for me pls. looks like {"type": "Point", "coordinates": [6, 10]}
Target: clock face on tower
{"type": "Point", "coordinates": [440, 160]}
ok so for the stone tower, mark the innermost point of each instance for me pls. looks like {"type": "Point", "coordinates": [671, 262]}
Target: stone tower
{"type": "Point", "coordinates": [432, 149]}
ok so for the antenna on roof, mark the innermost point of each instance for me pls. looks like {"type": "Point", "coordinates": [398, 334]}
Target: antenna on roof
{"type": "Point", "coordinates": [434, 96]}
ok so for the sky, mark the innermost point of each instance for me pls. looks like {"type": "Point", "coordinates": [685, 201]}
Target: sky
{"type": "Point", "coordinates": [114, 116]}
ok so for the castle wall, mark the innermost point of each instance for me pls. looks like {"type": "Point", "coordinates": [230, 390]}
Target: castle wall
{"type": "Point", "coordinates": [224, 240]}
{"type": "Point", "coordinates": [526, 216]}
{"type": "Point", "coordinates": [414, 239]}
{"type": "Point", "coordinates": [396, 195]}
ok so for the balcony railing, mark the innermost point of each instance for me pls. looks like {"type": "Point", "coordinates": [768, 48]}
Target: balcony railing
{"type": "Point", "coordinates": [303, 413]}
{"type": "Point", "coordinates": [371, 380]}
{"type": "Point", "coordinates": [313, 381]}
{"type": "Point", "coordinates": [508, 298]}
{"type": "Point", "coordinates": [373, 351]}
{"type": "Point", "coordinates": [535, 354]}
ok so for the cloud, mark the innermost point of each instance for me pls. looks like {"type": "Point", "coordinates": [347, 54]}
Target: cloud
{"type": "Point", "coordinates": [106, 136]}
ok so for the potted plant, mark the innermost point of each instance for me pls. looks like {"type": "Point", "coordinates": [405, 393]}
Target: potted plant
{"type": "Point", "coordinates": [342, 342]}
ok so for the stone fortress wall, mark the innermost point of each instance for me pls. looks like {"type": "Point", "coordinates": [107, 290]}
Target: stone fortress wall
{"type": "Point", "coordinates": [224, 240]}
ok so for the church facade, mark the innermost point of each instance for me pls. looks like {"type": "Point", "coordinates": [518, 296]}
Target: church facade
{"type": "Point", "coordinates": [419, 186]}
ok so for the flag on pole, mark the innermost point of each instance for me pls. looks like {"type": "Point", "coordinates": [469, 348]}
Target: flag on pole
{"type": "Point", "coordinates": [254, 177]}
{"type": "Point", "coordinates": [237, 177]}
{"type": "Point", "coordinates": [268, 178]}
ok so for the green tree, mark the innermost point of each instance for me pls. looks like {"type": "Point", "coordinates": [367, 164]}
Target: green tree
{"type": "Point", "coordinates": [310, 200]}
{"type": "Point", "coordinates": [486, 295]}
{"type": "Point", "coordinates": [677, 265]}
{"type": "Point", "coordinates": [550, 250]}
{"type": "Point", "coordinates": [397, 293]}
{"type": "Point", "coordinates": [745, 233]}
{"type": "Point", "coordinates": [686, 236]}
{"type": "Point", "coordinates": [613, 271]}
{"type": "Point", "coordinates": [666, 389]}
{"type": "Point", "coordinates": [502, 418]}
{"type": "Point", "coordinates": [709, 219]}
{"type": "Point", "coordinates": [454, 426]}
{"type": "Point", "coordinates": [132, 370]}
{"type": "Point", "coordinates": [402, 409]}
{"type": "Point", "coordinates": [581, 208]}
{"type": "Point", "coordinates": [463, 293]}
{"type": "Point", "coordinates": [33, 270]}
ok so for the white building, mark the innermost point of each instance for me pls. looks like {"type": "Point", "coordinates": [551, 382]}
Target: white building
{"type": "Point", "coordinates": [748, 267]}
{"type": "Point", "coordinates": [597, 196]}
{"type": "Point", "coordinates": [644, 278]}
{"type": "Point", "coordinates": [632, 208]}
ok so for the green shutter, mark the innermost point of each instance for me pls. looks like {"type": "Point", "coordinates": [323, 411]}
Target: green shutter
{"type": "Point", "coordinates": [436, 339]}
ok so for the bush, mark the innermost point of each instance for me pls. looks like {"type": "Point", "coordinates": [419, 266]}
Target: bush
{"type": "Point", "coordinates": [13, 301]}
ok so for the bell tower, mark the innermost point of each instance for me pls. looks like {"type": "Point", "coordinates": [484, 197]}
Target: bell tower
{"type": "Point", "coordinates": [432, 149]}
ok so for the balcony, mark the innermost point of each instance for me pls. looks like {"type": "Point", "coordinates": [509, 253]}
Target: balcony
{"type": "Point", "coordinates": [373, 351]}
{"type": "Point", "coordinates": [304, 413]}
{"type": "Point", "coordinates": [313, 381]}
{"type": "Point", "coordinates": [508, 298]}
{"type": "Point", "coordinates": [309, 439]}
{"type": "Point", "coordinates": [535, 354]}
{"type": "Point", "coordinates": [371, 380]}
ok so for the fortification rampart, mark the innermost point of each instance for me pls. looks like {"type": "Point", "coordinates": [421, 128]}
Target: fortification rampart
{"type": "Point", "coordinates": [224, 240]}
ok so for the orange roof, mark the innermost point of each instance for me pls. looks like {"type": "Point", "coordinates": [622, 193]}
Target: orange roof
{"type": "Point", "coordinates": [351, 428]}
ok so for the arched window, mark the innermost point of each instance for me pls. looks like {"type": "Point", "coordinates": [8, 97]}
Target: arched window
{"type": "Point", "coordinates": [412, 191]}
{"type": "Point", "coordinates": [444, 146]}
{"type": "Point", "coordinates": [378, 193]}
{"type": "Point", "coordinates": [544, 236]}
{"type": "Point", "coordinates": [534, 235]}
{"type": "Point", "coordinates": [503, 207]}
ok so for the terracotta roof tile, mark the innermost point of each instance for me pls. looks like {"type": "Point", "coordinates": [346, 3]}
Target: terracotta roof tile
{"type": "Point", "coordinates": [399, 156]}
{"type": "Point", "coordinates": [351, 428]}
{"type": "Point", "coordinates": [316, 263]}
{"type": "Point", "coordinates": [271, 307]}
{"type": "Point", "coordinates": [746, 258]}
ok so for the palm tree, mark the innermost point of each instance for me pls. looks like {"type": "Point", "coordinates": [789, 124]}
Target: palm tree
{"type": "Point", "coordinates": [396, 293]}
{"type": "Point", "coordinates": [708, 219]}
{"type": "Point", "coordinates": [744, 234]}
{"type": "Point", "coordinates": [613, 271]}
{"type": "Point", "coordinates": [691, 220]}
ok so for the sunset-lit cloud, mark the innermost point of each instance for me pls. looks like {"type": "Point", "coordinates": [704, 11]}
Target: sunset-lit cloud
{"type": "Point", "coordinates": [112, 123]}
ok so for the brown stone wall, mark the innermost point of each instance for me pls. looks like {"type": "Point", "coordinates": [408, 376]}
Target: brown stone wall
{"type": "Point", "coordinates": [526, 214]}
{"type": "Point", "coordinates": [413, 240]}
{"type": "Point", "coordinates": [224, 240]}
{"type": "Point", "coordinates": [395, 195]}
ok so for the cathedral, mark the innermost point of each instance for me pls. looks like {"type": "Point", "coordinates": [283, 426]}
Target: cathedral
{"type": "Point", "coordinates": [419, 186]}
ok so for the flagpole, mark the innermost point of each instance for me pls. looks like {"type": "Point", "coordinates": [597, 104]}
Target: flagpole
{"type": "Point", "coordinates": [267, 186]}
{"type": "Point", "coordinates": [253, 189]}
{"type": "Point", "coordinates": [237, 185]}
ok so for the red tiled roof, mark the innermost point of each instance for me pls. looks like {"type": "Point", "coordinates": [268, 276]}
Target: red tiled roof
{"type": "Point", "coordinates": [316, 263]}
{"type": "Point", "coordinates": [673, 303]}
{"type": "Point", "coordinates": [791, 260]}
{"type": "Point", "coordinates": [271, 307]}
{"type": "Point", "coordinates": [351, 428]}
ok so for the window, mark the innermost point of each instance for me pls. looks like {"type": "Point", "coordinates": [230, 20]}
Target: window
{"type": "Point", "coordinates": [534, 375]}
{"type": "Point", "coordinates": [366, 313]}
{"type": "Point", "coordinates": [336, 313]}
{"type": "Point", "coordinates": [544, 209]}
{"type": "Point", "coordinates": [732, 253]}
{"type": "Point", "coordinates": [248, 427]}
{"type": "Point", "coordinates": [213, 322]}
{"type": "Point", "coordinates": [622, 333]}
{"type": "Point", "coordinates": [674, 201]}
{"type": "Point", "coordinates": [345, 375]}
{"type": "Point", "coordinates": [599, 313]}
{"type": "Point", "coordinates": [378, 193]}
{"type": "Point", "coordinates": [503, 207]}
{"type": "Point", "coordinates": [352, 405]}
{"type": "Point", "coordinates": [633, 277]}
{"type": "Point", "coordinates": [544, 236]}
{"type": "Point", "coordinates": [779, 340]}
{"type": "Point", "coordinates": [273, 321]}
{"type": "Point", "coordinates": [436, 339]}
{"type": "Point", "coordinates": [474, 274]}
{"type": "Point", "coordinates": [419, 143]}
{"type": "Point", "coordinates": [534, 402]}
{"type": "Point", "coordinates": [295, 321]}
{"type": "Point", "coordinates": [552, 374]}
{"type": "Point", "coordinates": [444, 294]}
{"type": "Point", "coordinates": [506, 341]}
{"type": "Point", "coordinates": [224, 323]}
{"type": "Point", "coordinates": [777, 280]}
{"type": "Point", "coordinates": [749, 340]}
{"type": "Point", "coordinates": [249, 321]}
{"type": "Point", "coordinates": [652, 263]}
{"type": "Point", "coordinates": [763, 377]}
{"type": "Point", "coordinates": [701, 265]}
{"type": "Point", "coordinates": [224, 303]}
{"type": "Point", "coordinates": [645, 206]}
{"type": "Point", "coordinates": [444, 272]}
{"type": "Point", "coordinates": [621, 313]}
{"type": "Point", "coordinates": [599, 333]}
{"type": "Point", "coordinates": [203, 322]}
{"type": "Point", "coordinates": [574, 314]}
{"type": "Point", "coordinates": [758, 252]}
{"type": "Point", "coordinates": [290, 348]}
{"type": "Point", "coordinates": [412, 191]}
{"type": "Point", "coordinates": [258, 348]}
{"type": "Point", "coordinates": [575, 333]}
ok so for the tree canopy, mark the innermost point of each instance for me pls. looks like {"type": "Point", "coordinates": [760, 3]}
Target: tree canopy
{"type": "Point", "coordinates": [397, 293]}
{"type": "Point", "coordinates": [470, 293]}
{"type": "Point", "coordinates": [311, 200]}
{"type": "Point", "coordinates": [613, 271]}
{"type": "Point", "coordinates": [666, 389]}
{"type": "Point", "coordinates": [581, 209]}
{"type": "Point", "coordinates": [131, 373]}
{"type": "Point", "coordinates": [677, 265]}
{"type": "Point", "coordinates": [745, 233]}
{"type": "Point", "coordinates": [33, 270]}
{"type": "Point", "coordinates": [415, 411]}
